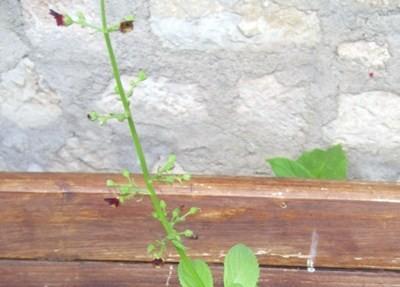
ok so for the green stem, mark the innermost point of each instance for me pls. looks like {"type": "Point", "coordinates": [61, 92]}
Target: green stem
{"type": "Point", "coordinates": [155, 201]}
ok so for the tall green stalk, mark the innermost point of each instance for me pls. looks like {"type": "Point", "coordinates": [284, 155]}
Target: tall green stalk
{"type": "Point", "coordinates": [155, 201]}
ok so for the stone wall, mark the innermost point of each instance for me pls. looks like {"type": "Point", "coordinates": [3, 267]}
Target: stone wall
{"type": "Point", "coordinates": [231, 82]}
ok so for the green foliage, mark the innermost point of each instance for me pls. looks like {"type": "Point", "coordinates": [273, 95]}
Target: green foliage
{"type": "Point", "coordinates": [164, 173]}
{"type": "Point", "coordinates": [284, 167]}
{"type": "Point", "coordinates": [241, 267]}
{"type": "Point", "coordinates": [314, 164]}
{"type": "Point", "coordinates": [126, 190]}
{"type": "Point", "coordinates": [187, 279]}
{"type": "Point", "coordinates": [103, 119]}
{"type": "Point", "coordinates": [158, 248]}
{"type": "Point", "coordinates": [140, 77]}
{"type": "Point", "coordinates": [130, 189]}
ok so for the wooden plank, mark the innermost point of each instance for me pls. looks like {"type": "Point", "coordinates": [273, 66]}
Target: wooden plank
{"type": "Point", "coordinates": [35, 273]}
{"type": "Point", "coordinates": [63, 216]}
{"type": "Point", "coordinates": [213, 186]}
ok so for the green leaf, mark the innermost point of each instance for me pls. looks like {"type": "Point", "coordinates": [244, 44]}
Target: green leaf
{"type": "Point", "coordinates": [317, 164]}
{"type": "Point", "coordinates": [169, 165]}
{"type": "Point", "coordinates": [193, 210]}
{"type": "Point", "coordinates": [110, 183]}
{"type": "Point", "coordinates": [142, 76]}
{"type": "Point", "coordinates": [125, 173]}
{"type": "Point", "coordinates": [186, 177]}
{"type": "Point", "coordinates": [241, 267]}
{"type": "Point", "coordinates": [283, 167]}
{"type": "Point", "coordinates": [81, 17]}
{"type": "Point", "coordinates": [187, 279]}
{"type": "Point", "coordinates": [163, 205]}
{"type": "Point", "coordinates": [129, 18]}
{"type": "Point", "coordinates": [150, 248]}
{"type": "Point", "coordinates": [326, 164]}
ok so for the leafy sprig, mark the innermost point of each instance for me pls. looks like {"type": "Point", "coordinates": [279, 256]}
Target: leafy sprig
{"type": "Point", "coordinates": [165, 173]}
{"type": "Point", "coordinates": [127, 190]}
{"type": "Point", "coordinates": [192, 273]}
{"type": "Point", "coordinates": [103, 119]}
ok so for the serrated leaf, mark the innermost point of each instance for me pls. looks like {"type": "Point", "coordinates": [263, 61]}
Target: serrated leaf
{"type": "Point", "coordinates": [187, 279]}
{"type": "Point", "coordinates": [325, 164]}
{"type": "Point", "coordinates": [284, 167]}
{"type": "Point", "coordinates": [241, 267]}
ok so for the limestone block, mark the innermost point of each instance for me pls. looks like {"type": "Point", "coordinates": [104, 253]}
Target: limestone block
{"type": "Point", "coordinates": [369, 54]}
{"type": "Point", "coordinates": [12, 49]}
{"type": "Point", "coordinates": [205, 24]}
{"type": "Point", "coordinates": [277, 24]}
{"type": "Point", "coordinates": [156, 99]}
{"type": "Point", "coordinates": [368, 121]}
{"type": "Point", "coordinates": [380, 3]}
{"type": "Point", "coordinates": [87, 150]}
{"type": "Point", "coordinates": [272, 115]}
{"type": "Point", "coordinates": [25, 98]}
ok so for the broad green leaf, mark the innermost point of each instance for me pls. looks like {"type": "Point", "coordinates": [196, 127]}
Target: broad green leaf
{"type": "Point", "coordinates": [283, 167]}
{"type": "Point", "coordinates": [187, 279]}
{"type": "Point", "coordinates": [241, 267]}
{"type": "Point", "coordinates": [325, 164]}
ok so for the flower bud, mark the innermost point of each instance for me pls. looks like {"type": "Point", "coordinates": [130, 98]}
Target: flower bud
{"type": "Point", "coordinates": [114, 201]}
{"type": "Point", "coordinates": [126, 26]}
{"type": "Point", "coordinates": [193, 210]}
{"type": "Point", "coordinates": [61, 20]}
{"type": "Point", "coordinates": [188, 233]}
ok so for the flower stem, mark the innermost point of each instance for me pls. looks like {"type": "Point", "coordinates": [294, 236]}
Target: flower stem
{"type": "Point", "coordinates": [155, 201]}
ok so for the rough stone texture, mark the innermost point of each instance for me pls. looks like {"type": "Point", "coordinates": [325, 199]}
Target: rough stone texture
{"type": "Point", "coordinates": [231, 82]}
{"type": "Point", "coordinates": [211, 24]}
{"type": "Point", "coordinates": [369, 124]}
{"type": "Point", "coordinates": [24, 99]}
{"type": "Point", "coordinates": [369, 54]}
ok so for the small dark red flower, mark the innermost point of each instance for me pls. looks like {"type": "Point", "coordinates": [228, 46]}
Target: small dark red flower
{"type": "Point", "coordinates": [112, 201]}
{"type": "Point", "coordinates": [371, 74]}
{"type": "Point", "coordinates": [126, 26]}
{"type": "Point", "coordinates": [157, 262]}
{"type": "Point", "coordinates": [59, 17]}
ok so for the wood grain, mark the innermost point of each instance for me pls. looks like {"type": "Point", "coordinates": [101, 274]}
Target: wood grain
{"type": "Point", "coordinates": [98, 274]}
{"type": "Point", "coordinates": [64, 217]}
